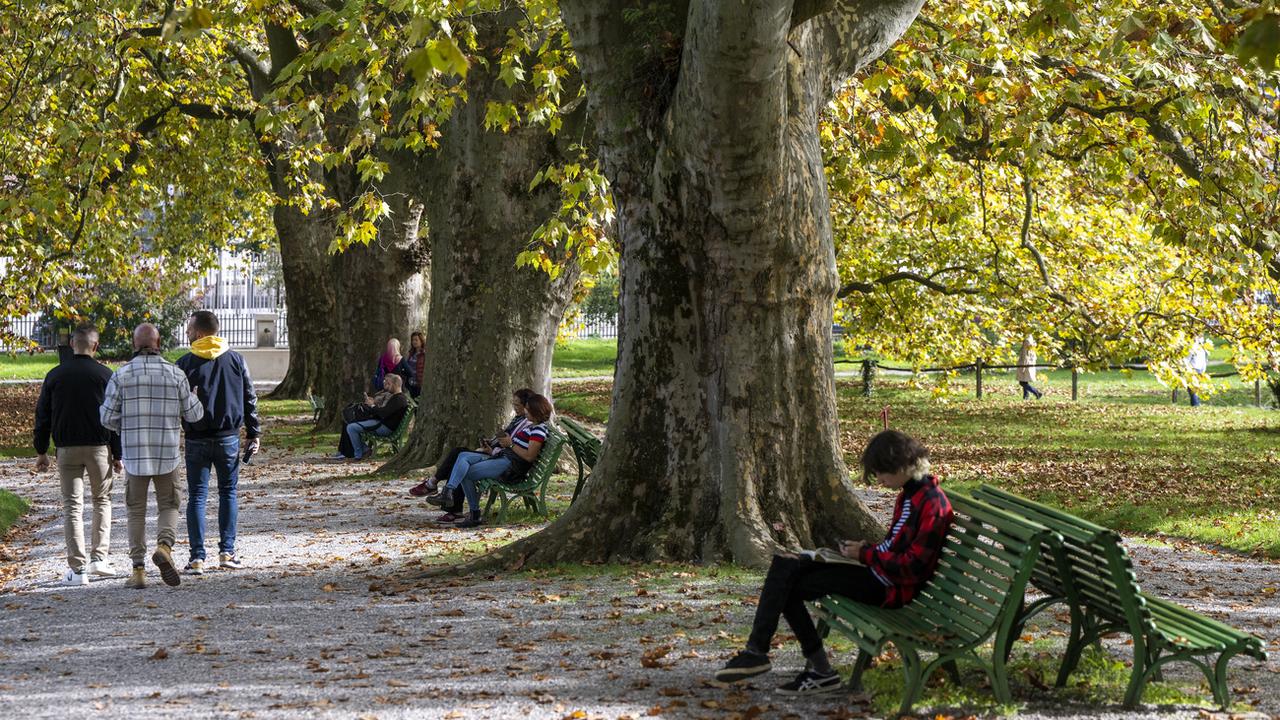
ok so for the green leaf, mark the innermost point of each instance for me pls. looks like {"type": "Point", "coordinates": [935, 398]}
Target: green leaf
{"type": "Point", "coordinates": [1260, 42]}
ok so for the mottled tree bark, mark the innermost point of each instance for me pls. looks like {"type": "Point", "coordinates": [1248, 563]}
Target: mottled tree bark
{"type": "Point", "coordinates": [308, 283]}
{"type": "Point", "coordinates": [381, 290]}
{"type": "Point", "coordinates": [492, 325]}
{"type": "Point", "coordinates": [724, 423]}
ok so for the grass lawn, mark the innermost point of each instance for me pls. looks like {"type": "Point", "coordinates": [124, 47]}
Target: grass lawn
{"type": "Point", "coordinates": [584, 358]}
{"type": "Point", "coordinates": [34, 367]}
{"type": "Point", "coordinates": [1121, 457]}
{"type": "Point", "coordinates": [11, 508]}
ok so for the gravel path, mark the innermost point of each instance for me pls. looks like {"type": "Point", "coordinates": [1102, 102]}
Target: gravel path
{"type": "Point", "coordinates": [317, 625]}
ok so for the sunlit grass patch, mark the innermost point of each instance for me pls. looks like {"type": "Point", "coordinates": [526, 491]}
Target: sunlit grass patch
{"type": "Point", "coordinates": [12, 507]}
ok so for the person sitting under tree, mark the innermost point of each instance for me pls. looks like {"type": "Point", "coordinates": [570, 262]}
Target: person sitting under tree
{"type": "Point", "coordinates": [428, 488]}
{"type": "Point", "coordinates": [887, 574]}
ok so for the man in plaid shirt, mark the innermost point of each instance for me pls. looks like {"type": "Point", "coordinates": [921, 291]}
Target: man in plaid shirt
{"type": "Point", "coordinates": [146, 402]}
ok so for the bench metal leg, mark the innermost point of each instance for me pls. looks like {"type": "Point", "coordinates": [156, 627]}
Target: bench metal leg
{"type": "Point", "coordinates": [1075, 644]}
{"type": "Point", "coordinates": [1221, 690]}
{"type": "Point", "coordinates": [913, 679]}
{"type": "Point", "coordinates": [1137, 682]}
{"type": "Point", "coordinates": [859, 666]}
{"type": "Point", "coordinates": [582, 480]}
{"type": "Point", "coordinates": [1000, 679]}
{"type": "Point", "coordinates": [952, 670]}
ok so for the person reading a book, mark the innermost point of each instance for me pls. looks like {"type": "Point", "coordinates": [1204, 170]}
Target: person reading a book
{"type": "Point", "coordinates": [887, 573]}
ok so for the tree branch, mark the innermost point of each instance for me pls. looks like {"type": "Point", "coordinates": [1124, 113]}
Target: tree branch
{"type": "Point", "coordinates": [283, 46]}
{"type": "Point", "coordinates": [929, 282]}
{"type": "Point", "coordinates": [250, 60]}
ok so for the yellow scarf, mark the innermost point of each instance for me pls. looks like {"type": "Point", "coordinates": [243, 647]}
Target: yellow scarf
{"type": "Point", "coordinates": [209, 347]}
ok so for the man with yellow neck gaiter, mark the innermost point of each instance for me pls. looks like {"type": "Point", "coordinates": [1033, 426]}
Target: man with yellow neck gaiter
{"type": "Point", "coordinates": [221, 380]}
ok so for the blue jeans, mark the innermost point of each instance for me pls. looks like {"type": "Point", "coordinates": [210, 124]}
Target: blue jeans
{"type": "Point", "coordinates": [353, 434]}
{"type": "Point", "coordinates": [473, 466]}
{"type": "Point", "coordinates": [1028, 390]}
{"type": "Point", "coordinates": [223, 455]}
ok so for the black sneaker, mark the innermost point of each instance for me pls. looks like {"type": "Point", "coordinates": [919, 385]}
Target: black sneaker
{"type": "Point", "coordinates": [745, 664]}
{"type": "Point", "coordinates": [470, 521]}
{"type": "Point", "coordinates": [810, 682]}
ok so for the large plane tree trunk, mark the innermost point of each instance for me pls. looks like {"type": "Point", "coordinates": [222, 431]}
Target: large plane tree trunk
{"type": "Point", "coordinates": [723, 441]}
{"type": "Point", "coordinates": [381, 291]}
{"type": "Point", "coordinates": [492, 325]}
{"type": "Point", "coordinates": [308, 284]}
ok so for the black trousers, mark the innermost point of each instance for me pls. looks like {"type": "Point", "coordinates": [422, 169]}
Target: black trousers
{"type": "Point", "coordinates": [444, 470]}
{"type": "Point", "coordinates": [793, 580]}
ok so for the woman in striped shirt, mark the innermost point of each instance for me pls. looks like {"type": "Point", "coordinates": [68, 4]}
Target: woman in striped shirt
{"type": "Point", "coordinates": [516, 453]}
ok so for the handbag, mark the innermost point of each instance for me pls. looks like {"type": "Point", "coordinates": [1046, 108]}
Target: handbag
{"type": "Point", "coordinates": [356, 412]}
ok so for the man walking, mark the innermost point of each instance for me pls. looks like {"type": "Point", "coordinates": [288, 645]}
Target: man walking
{"type": "Point", "coordinates": [146, 402]}
{"type": "Point", "coordinates": [68, 410]}
{"type": "Point", "coordinates": [221, 381]}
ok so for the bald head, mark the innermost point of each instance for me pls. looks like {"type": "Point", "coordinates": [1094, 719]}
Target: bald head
{"type": "Point", "coordinates": [393, 383]}
{"type": "Point", "coordinates": [146, 337]}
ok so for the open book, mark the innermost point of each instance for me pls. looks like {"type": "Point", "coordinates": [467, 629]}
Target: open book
{"type": "Point", "coordinates": [827, 555]}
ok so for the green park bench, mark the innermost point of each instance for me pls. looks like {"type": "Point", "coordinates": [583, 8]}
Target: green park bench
{"type": "Point", "coordinates": [532, 488]}
{"type": "Point", "coordinates": [1090, 571]}
{"type": "Point", "coordinates": [972, 598]}
{"type": "Point", "coordinates": [374, 441]}
{"type": "Point", "coordinates": [317, 406]}
{"type": "Point", "coordinates": [586, 448]}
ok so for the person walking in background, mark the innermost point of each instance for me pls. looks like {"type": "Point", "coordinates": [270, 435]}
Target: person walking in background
{"type": "Point", "coordinates": [414, 364]}
{"type": "Point", "coordinates": [1027, 368]}
{"type": "Point", "coordinates": [388, 361]}
{"type": "Point", "coordinates": [220, 379]}
{"type": "Point", "coordinates": [146, 402]}
{"type": "Point", "coordinates": [68, 411]}
{"type": "Point", "coordinates": [1198, 361]}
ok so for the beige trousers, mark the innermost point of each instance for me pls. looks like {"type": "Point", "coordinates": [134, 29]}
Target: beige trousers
{"type": "Point", "coordinates": [73, 464]}
{"type": "Point", "coordinates": [168, 499]}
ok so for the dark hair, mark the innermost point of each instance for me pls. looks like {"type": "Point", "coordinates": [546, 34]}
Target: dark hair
{"type": "Point", "coordinates": [538, 409]}
{"type": "Point", "coordinates": [84, 337]}
{"type": "Point", "coordinates": [420, 336]}
{"type": "Point", "coordinates": [889, 452]}
{"type": "Point", "coordinates": [524, 395]}
{"type": "Point", "coordinates": [205, 321]}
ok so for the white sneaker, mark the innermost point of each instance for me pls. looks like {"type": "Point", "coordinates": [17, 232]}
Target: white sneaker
{"type": "Point", "coordinates": [230, 561]}
{"type": "Point", "coordinates": [102, 568]}
{"type": "Point", "coordinates": [74, 578]}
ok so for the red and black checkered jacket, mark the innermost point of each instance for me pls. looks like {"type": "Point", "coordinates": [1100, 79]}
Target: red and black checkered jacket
{"type": "Point", "coordinates": [907, 557]}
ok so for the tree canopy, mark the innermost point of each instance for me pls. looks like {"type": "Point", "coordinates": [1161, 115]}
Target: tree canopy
{"type": "Point", "coordinates": [1105, 179]}
{"type": "Point", "coordinates": [106, 169]}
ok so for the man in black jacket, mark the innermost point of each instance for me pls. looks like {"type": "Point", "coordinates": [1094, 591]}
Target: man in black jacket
{"type": "Point", "coordinates": [68, 411]}
{"type": "Point", "coordinates": [221, 381]}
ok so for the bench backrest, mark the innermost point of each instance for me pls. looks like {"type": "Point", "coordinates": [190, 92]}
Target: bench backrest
{"type": "Point", "coordinates": [585, 445]}
{"type": "Point", "coordinates": [545, 466]}
{"type": "Point", "coordinates": [1089, 566]}
{"type": "Point", "coordinates": [409, 410]}
{"type": "Point", "coordinates": [986, 561]}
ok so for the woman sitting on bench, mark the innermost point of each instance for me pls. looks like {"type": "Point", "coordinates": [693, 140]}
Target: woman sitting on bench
{"type": "Point", "coordinates": [429, 488]}
{"type": "Point", "coordinates": [381, 413]}
{"type": "Point", "coordinates": [515, 455]}
{"type": "Point", "coordinates": [887, 574]}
